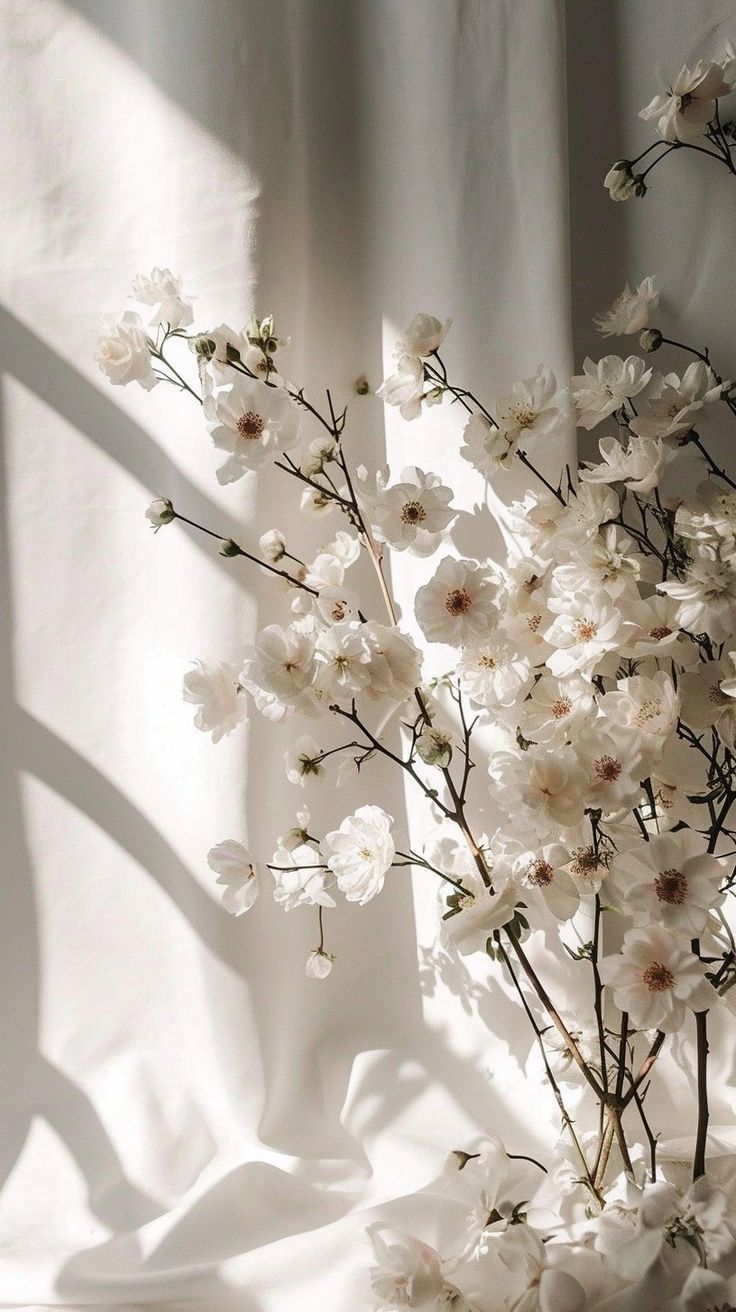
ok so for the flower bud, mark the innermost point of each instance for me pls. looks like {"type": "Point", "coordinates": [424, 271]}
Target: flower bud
{"type": "Point", "coordinates": [160, 512]}
{"type": "Point", "coordinates": [361, 386]}
{"type": "Point", "coordinates": [651, 339]}
{"type": "Point", "coordinates": [230, 548]}
{"type": "Point", "coordinates": [319, 964]}
{"type": "Point", "coordinates": [434, 747]}
{"type": "Point", "coordinates": [273, 546]}
{"type": "Point", "coordinates": [203, 347]}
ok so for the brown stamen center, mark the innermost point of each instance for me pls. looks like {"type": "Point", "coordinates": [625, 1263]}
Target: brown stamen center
{"type": "Point", "coordinates": [658, 977]}
{"type": "Point", "coordinates": [250, 424]}
{"type": "Point", "coordinates": [671, 887]}
{"type": "Point", "coordinates": [413, 512]}
{"type": "Point", "coordinates": [458, 601]}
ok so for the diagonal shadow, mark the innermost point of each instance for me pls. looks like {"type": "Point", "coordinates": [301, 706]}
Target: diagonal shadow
{"type": "Point", "coordinates": [64, 389]}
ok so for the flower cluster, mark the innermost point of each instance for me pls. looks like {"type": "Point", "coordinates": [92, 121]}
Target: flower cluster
{"type": "Point", "coordinates": [599, 661]}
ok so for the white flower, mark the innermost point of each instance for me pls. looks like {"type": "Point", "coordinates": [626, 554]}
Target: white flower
{"type": "Point", "coordinates": [300, 877]}
{"type": "Point", "coordinates": [711, 516]}
{"type": "Point", "coordinates": [273, 546]}
{"type": "Point", "coordinates": [687, 105]}
{"type": "Point", "coordinates": [252, 422]}
{"type": "Point", "coordinates": [620, 182]}
{"type": "Point", "coordinates": [423, 336]}
{"type": "Point", "coordinates": [395, 662]}
{"type": "Point", "coordinates": [675, 402]}
{"type": "Point", "coordinates": [582, 517]}
{"type": "Point", "coordinates": [709, 698]}
{"type": "Point", "coordinates": [405, 388]}
{"type": "Point", "coordinates": [586, 627]}
{"type": "Point", "coordinates": [639, 465]}
{"type": "Point", "coordinates": [493, 674]}
{"type": "Point", "coordinates": [163, 289]}
{"type": "Point", "coordinates": [214, 689]}
{"type": "Point", "coordinates": [528, 410]}
{"type": "Point", "coordinates": [556, 710]}
{"type": "Point", "coordinates": [124, 352]}
{"type": "Point", "coordinates": [160, 512]}
{"type": "Point", "coordinates": [543, 872]}
{"type": "Point", "coordinates": [541, 788]}
{"type": "Point", "coordinates": [303, 761]}
{"type": "Point", "coordinates": [630, 1232]}
{"type": "Point", "coordinates": [479, 912]}
{"type": "Point", "coordinates": [604, 386]}
{"type": "Point", "coordinates": [236, 873]}
{"type": "Point", "coordinates": [408, 1274]}
{"type": "Point", "coordinates": [518, 1272]}
{"type": "Point", "coordinates": [611, 764]}
{"type": "Point", "coordinates": [343, 658]}
{"type": "Point", "coordinates": [486, 447]}
{"type": "Point", "coordinates": [318, 964]}
{"type": "Point", "coordinates": [218, 348]}
{"type": "Point", "coordinates": [608, 562]}
{"type": "Point", "coordinates": [412, 515]}
{"type": "Point", "coordinates": [360, 852]}
{"type": "Point", "coordinates": [649, 705]}
{"type": "Point", "coordinates": [457, 605]}
{"type": "Point", "coordinates": [657, 979]}
{"type": "Point", "coordinates": [629, 312]}
{"type": "Point", "coordinates": [670, 881]}
{"type": "Point", "coordinates": [655, 632]}
{"type": "Point", "coordinates": [279, 670]}
{"type": "Point", "coordinates": [707, 596]}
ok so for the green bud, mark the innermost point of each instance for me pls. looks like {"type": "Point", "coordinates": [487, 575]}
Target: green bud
{"type": "Point", "coordinates": [650, 340]}
{"type": "Point", "coordinates": [229, 548]}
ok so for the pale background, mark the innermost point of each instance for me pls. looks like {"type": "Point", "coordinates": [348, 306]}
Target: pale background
{"type": "Point", "coordinates": [186, 1117]}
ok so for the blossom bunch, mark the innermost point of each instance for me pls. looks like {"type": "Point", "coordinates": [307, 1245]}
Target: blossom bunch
{"type": "Point", "coordinates": [598, 660]}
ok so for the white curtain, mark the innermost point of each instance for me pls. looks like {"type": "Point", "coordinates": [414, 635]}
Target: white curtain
{"type": "Point", "coordinates": [188, 1119]}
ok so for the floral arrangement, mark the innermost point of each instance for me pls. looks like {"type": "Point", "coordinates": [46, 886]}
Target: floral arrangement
{"type": "Point", "coordinates": [598, 662]}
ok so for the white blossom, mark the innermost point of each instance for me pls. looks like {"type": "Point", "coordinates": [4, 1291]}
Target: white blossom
{"type": "Point", "coordinates": [215, 691]}
{"type": "Point", "coordinates": [301, 877]}
{"type": "Point", "coordinates": [649, 705]}
{"type": "Point", "coordinates": [556, 710]}
{"type": "Point", "coordinates": [630, 311]}
{"type": "Point", "coordinates": [273, 546]}
{"type": "Point", "coordinates": [675, 403]}
{"type": "Point", "coordinates": [279, 670]}
{"type": "Point", "coordinates": [163, 289]}
{"type": "Point", "coordinates": [124, 352]}
{"type": "Point", "coordinates": [671, 880]}
{"type": "Point", "coordinates": [493, 673]}
{"type": "Point", "coordinates": [542, 872]}
{"type": "Point", "coordinates": [631, 1229]}
{"type": "Point", "coordinates": [686, 105]}
{"type": "Point", "coordinates": [486, 446]}
{"type": "Point", "coordinates": [252, 423]}
{"type": "Point", "coordinates": [541, 788]}
{"type": "Point", "coordinates": [424, 335]}
{"type": "Point", "coordinates": [709, 697]}
{"type": "Point", "coordinates": [236, 874]}
{"type": "Point", "coordinates": [587, 625]}
{"type": "Point", "coordinates": [640, 464]}
{"type": "Point", "coordinates": [160, 512]}
{"type": "Point", "coordinates": [303, 761]}
{"type": "Point", "coordinates": [457, 605]}
{"type": "Point", "coordinates": [706, 593]}
{"type": "Point", "coordinates": [412, 515]}
{"type": "Point", "coordinates": [656, 978]}
{"type": "Point", "coordinates": [319, 964]}
{"type": "Point", "coordinates": [408, 1274]}
{"type": "Point", "coordinates": [360, 853]}
{"type": "Point", "coordinates": [604, 385]}
{"type": "Point", "coordinates": [405, 388]}
{"type": "Point", "coordinates": [530, 409]}
{"type": "Point", "coordinates": [477, 913]}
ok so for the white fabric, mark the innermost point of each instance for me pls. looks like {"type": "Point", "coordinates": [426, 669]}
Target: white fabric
{"type": "Point", "coordinates": [188, 1118]}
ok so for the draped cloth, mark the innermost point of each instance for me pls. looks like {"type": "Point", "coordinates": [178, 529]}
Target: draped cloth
{"type": "Point", "coordinates": [187, 1118]}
